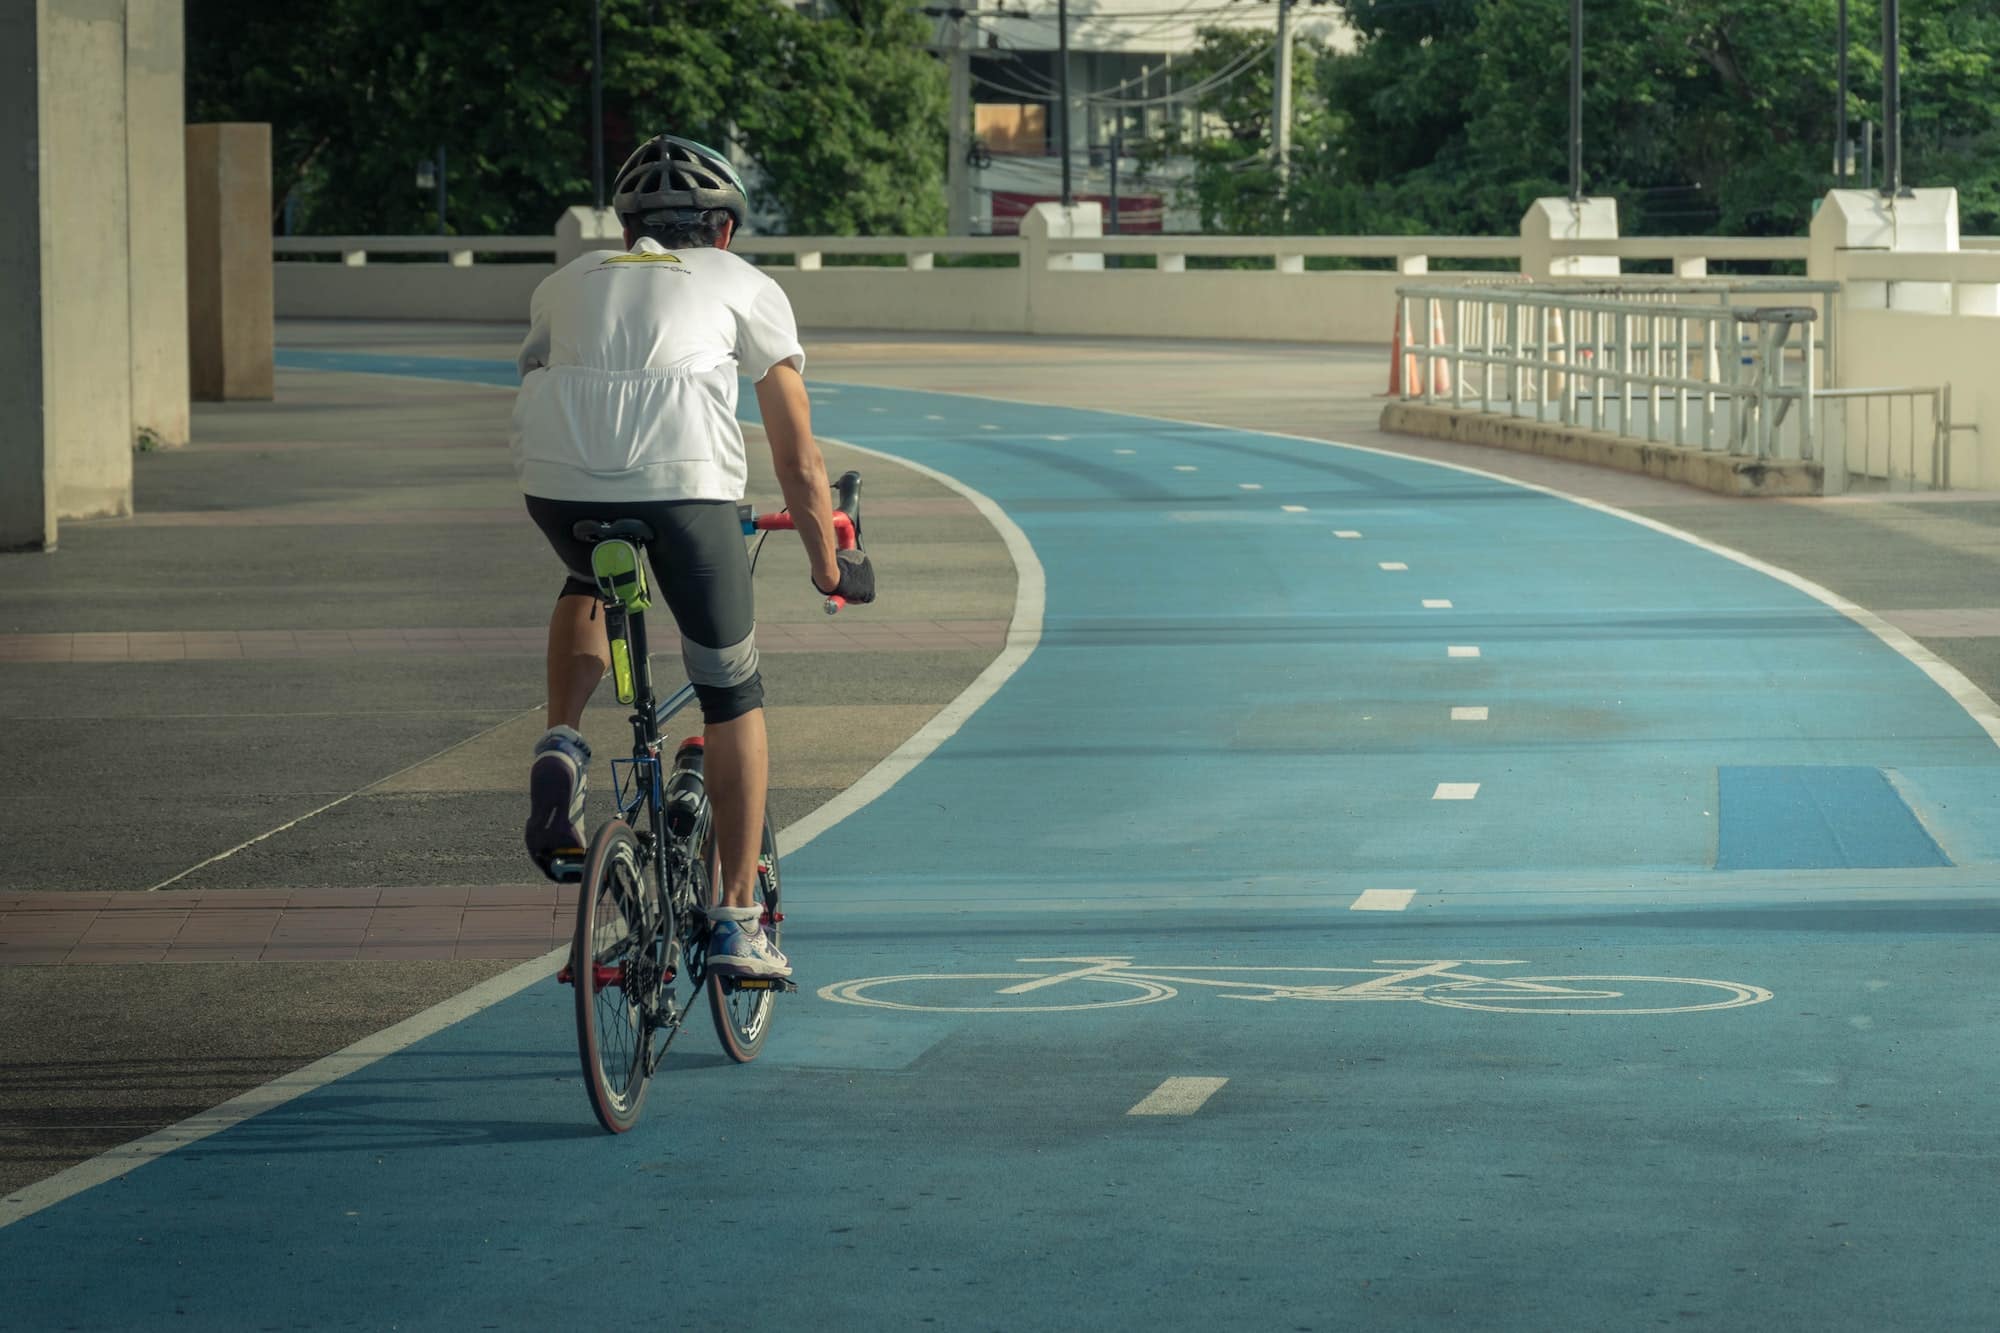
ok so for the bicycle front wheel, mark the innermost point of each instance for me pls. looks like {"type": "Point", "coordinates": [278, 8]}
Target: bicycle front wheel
{"type": "Point", "coordinates": [613, 964]}
{"type": "Point", "coordinates": [743, 1016]}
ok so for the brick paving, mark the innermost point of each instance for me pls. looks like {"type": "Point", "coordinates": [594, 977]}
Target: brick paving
{"type": "Point", "coordinates": [831, 635]}
{"type": "Point", "coordinates": [489, 921]}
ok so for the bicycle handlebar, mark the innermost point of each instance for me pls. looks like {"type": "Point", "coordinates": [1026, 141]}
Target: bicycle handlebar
{"type": "Point", "coordinates": [846, 524]}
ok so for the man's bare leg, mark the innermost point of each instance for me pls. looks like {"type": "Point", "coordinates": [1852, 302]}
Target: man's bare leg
{"type": "Point", "coordinates": [579, 655]}
{"type": "Point", "coordinates": [737, 766]}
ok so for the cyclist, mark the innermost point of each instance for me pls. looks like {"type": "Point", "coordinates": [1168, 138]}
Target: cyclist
{"type": "Point", "coordinates": [627, 409]}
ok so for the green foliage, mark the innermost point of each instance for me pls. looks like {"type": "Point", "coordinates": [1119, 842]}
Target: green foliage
{"type": "Point", "coordinates": [1699, 115]}
{"type": "Point", "coordinates": [844, 113]}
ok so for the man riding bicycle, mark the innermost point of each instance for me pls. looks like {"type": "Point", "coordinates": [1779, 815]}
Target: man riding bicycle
{"type": "Point", "coordinates": [627, 409]}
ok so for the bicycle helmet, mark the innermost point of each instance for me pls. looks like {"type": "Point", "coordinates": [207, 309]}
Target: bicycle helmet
{"type": "Point", "coordinates": [668, 174]}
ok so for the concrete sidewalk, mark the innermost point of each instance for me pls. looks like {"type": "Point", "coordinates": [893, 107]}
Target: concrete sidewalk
{"type": "Point", "coordinates": [307, 673]}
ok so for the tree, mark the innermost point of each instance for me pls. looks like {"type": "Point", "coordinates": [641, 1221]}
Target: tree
{"type": "Point", "coordinates": [1699, 115]}
{"type": "Point", "coordinates": [844, 113]}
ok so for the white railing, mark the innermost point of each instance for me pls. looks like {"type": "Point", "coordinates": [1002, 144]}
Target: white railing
{"type": "Point", "coordinates": [1956, 282]}
{"type": "Point", "coordinates": [1686, 365]}
{"type": "Point", "coordinates": [1886, 439]}
{"type": "Point", "coordinates": [1683, 365]}
{"type": "Point", "coordinates": [457, 250]}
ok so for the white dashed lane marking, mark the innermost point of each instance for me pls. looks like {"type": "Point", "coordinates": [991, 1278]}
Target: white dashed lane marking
{"type": "Point", "coordinates": [1437, 603]}
{"type": "Point", "coordinates": [1249, 486]}
{"type": "Point", "coordinates": [1455, 791]}
{"type": "Point", "coordinates": [1347, 534]}
{"type": "Point", "coordinates": [1293, 509]}
{"type": "Point", "coordinates": [1184, 467]}
{"type": "Point", "coordinates": [1178, 1096]}
{"type": "Point", "coordinates": [1394, 566]}
{"type": "Point", "coordinates": [1124, 451]}
{"type": "Point", "coordinates": [1382, 900]}
{"type": "Point", "coordinates": [1474, 714]}
{"type": "Point", "coordinates": [1460, 650]}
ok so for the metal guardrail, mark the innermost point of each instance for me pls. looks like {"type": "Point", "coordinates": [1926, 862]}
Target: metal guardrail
{"type": "Point", "coordinates": [1678, 364]}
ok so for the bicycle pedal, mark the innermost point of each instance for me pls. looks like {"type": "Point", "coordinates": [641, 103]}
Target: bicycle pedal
{"type": "Point", "coordinates": [566, 867]}
{"type": "Point", "coordinates": [782, 985]}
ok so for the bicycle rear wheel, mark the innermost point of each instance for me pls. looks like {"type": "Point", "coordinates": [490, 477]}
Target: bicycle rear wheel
{"type": "Point", "coordinates": [613, 964]}
{"type": "Point", "coordinates": [742, 1015]}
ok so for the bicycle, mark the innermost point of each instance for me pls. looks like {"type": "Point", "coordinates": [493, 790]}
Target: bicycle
{"type": "Point", "coordinates": [1425, 981]}
{"type": "Point", "coordinates": [652, 867]}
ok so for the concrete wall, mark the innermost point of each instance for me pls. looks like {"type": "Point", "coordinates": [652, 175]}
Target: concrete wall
{"type": "Point", "coordinates": [433, 290]}
{"type": "Point", "coordinates": [1141, 303]}
{"type": "Point", "coordinates": [1897, 347]}
{"type": "Point", "coordinates": [156, 180]}
{"type": "Point", "coordinates": [27, 503]}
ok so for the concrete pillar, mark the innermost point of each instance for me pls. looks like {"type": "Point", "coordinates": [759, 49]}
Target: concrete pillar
{"type": "Point", "coordinates": [1848, 220]}
{"type": "Point", "coordinates": [582, 229]}
{"type": "Point", "coordinates": [1550, 222]}
{"type": "Point", "coordinates": [72, 53]}
{"type": "Point", "coordinates": [1039, 267]}
{"type": "Point", "coordinates": [27, 501]}
{"type": "Point", "coordinates": [229, 272]}
{"type": "Point", "coordinates": [156, 176]}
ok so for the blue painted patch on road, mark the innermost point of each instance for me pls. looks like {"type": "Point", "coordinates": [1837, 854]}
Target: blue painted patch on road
{"type": "Point", "coordinates": [1802, 817]}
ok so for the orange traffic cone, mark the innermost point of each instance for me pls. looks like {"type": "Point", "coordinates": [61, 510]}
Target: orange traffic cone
{"type": "Point", "coordinates": [1403, 365]}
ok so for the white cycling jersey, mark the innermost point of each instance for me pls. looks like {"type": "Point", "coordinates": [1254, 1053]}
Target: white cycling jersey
{"type": "Point", "coordinates": [629, 374]}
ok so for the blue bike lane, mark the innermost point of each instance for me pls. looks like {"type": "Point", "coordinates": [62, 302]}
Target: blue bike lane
{"type": "Point", "coordinates": [1293, 706]}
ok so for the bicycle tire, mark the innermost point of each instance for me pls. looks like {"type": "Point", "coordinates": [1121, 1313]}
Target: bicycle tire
{"type": "Point", "coordinates": [743, 1017]}
{"type": "Point", "coordinates": [612, 1033]}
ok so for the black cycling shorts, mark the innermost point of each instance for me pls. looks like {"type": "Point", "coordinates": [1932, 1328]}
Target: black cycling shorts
{"type": "Point", "coordinates": [703, 575]}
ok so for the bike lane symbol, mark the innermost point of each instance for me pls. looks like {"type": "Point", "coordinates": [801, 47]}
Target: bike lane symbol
{"type": "Point", "coordinates": [1442, 982]}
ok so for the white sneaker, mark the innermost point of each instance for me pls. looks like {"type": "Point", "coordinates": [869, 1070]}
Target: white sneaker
{"type": "Point", "coordinates": [738, 949]}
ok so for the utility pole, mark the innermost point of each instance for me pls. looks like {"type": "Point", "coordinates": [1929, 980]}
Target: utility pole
{"type": "Point", "coordinates": [1843, 151]}
{"type": "Point", "coordinates": [1062, 93]}
{"type": "Point", "coordinates": [958, 170]}
{"type": "Point", "coordinates": [1576, 101]}
{"type": "Point", "coordinates": [597, 99]}
{"type": "Point", "coordinates": [1281, 114]}
{"type": "Point", "coordinates": [1892, 97]}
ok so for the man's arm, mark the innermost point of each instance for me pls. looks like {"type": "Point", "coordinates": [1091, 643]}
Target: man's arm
{"type": "Point", "coordinates": [781, 398]}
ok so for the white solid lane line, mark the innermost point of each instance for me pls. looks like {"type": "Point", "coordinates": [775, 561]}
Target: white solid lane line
{"type": "Point", "coordinates": [1382, 900]}
{"type": "Point", "coordinates": [1455, 791]}
{"type": "Point", "coordinates": [1178, 1096]}
{"type": "Point", "coordinates": [1394, 566]}
{"type": "Point", "coordinates": [1474, 714]}
{"type": "Point", "coordinates": [1347, 534]}
{"type": "Point", "coordinates": [1437, 603]}
{"type": "Point", "coordinates": [1457, 650]}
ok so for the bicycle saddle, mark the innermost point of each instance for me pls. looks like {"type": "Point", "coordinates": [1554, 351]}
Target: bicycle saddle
{"type": "Point", "coordinates": [597, 530]}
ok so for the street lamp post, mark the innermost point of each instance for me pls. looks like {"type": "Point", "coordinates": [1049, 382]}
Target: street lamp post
{"type": "Point", "coordinates": [1892, 98]}
{"type": "Point", "coordinates": [1062, 94]}
{"type": "Point", "coordinates": [597, 100]}
{"type": "Point", "coordinates": [1576, 101]}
